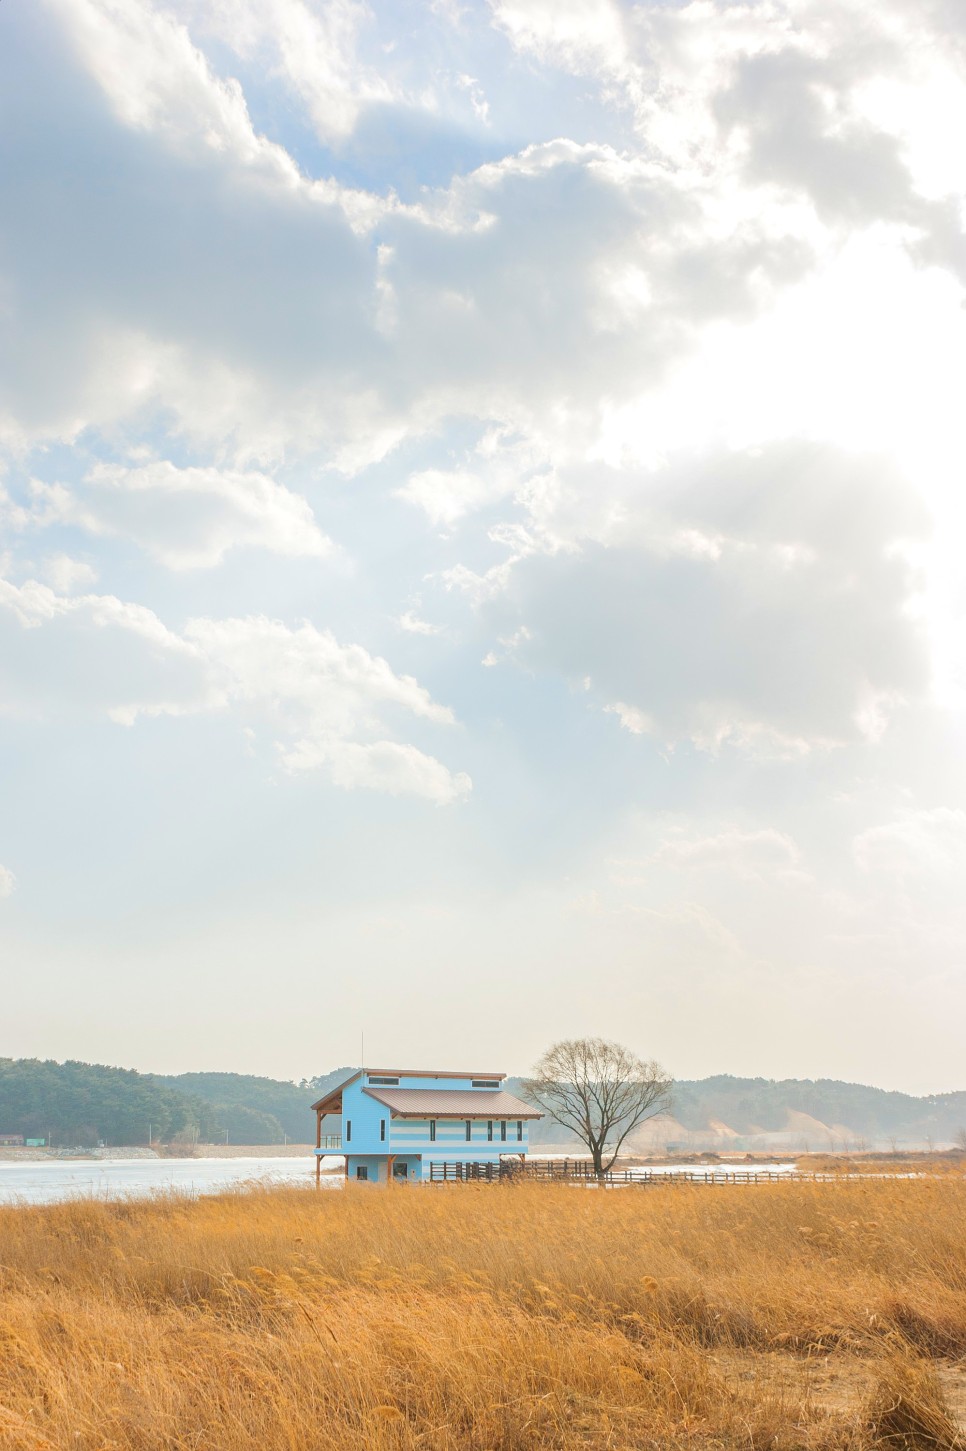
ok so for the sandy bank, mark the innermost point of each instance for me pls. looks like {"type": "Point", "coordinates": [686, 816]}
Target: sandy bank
{"type": "Point", "coordinates": [166, 1151]}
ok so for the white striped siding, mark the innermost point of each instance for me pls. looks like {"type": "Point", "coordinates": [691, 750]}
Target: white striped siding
{"type": "Point", "coordinates": [413, 1134]}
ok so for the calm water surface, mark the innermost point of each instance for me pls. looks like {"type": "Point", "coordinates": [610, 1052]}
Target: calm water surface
{"type": "Point", "coordinates": [48, 1180]}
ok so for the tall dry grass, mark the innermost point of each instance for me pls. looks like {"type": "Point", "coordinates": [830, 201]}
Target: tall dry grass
{"type": "Point", "coordinates": [489, 1318]}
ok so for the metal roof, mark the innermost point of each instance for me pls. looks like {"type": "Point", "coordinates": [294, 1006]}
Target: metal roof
{"type": "Point", "coordinates": [334, 1094]}
{"type": "Point", "coordinates": [429, 1073]}
{"type": "Point", "coordinates": [452, 1103]}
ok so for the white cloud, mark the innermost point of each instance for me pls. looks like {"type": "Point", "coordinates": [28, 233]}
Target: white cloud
{"type": "Point", "coordinates": [186, 517]}
{"type": "Point", "coordinates": [766, 849]}
{"type": "Point", "coordinates": [7, 881]}
{"type": "Point", "coordinates": [927, 844]}
{"type": "Point", "coordinates": [306, 670]}
{"type": "Point", "coordinates": [674, 400]}
{"type": "Point", "coordinates": [381, 766]}
{"type": "Point", "coordinates": [508, 287]}
{"type": "Point", "coordinates": [446, 495]}
{"type": "Point", "coordinates": [314, 47]}
{"type": "Point", "coordinates": [579, 35]}
{"type": "Point", "coordinates": [158, 81]}
{"type": "Point", "coordinates": [65, 574]}
{"type": "Point", "coordinates": [756, 599]}
{"type": "Point", "coordinates": [413, 625]}
{"type": "Point", "coordinates": [92, 654]}
{"type": "Point", "coordinates": [329, 705]}
{"type": "Point", "coordinates": [501, 464]}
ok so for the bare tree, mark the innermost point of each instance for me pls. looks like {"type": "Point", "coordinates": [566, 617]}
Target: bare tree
{"type": "Point", "coordinates": [959, 1139]}
{"type": "Point", "coordinates": [599, 1090]}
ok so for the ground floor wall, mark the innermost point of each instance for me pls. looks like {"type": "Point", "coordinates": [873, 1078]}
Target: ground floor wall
{"type": "Point", "coordinates": [377, 1168]}
{"type": "Point", "coordinates": [407, 1168]}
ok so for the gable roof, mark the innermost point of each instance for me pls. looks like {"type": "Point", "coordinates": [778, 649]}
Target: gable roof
{"type": "Point", "coordinates": [452, 1103]}
{"type": "Point", "coordinates": [331, 1102]}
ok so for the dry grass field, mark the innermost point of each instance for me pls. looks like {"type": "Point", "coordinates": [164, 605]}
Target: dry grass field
{"type": "Point", "coordinates": [492, 1318]}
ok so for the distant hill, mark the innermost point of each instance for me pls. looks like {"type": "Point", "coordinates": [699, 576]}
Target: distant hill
{"type": "Point", "coordinates": [254, 1110]}
{"type": "Point", "coordinates": [248, 1106]}
{"type": "Point", "coordinates": [83, 1102]}
{"type": "Point", "coordinates": [724, 1112]}
{"type": "Point", "coordinates": [818, 1111]}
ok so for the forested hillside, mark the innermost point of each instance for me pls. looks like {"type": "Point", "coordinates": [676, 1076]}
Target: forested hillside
{"type": "Point", "coordinates": [87, 1103]}
{"type": "Point", "coordinates": [751, 1112]}
{"type": "Point", "coordinates": [251, 1106]}
{"type": "Point", "coordinates": [750, 1105]}
{"type": "Point", "coordinates": [82, 1103]}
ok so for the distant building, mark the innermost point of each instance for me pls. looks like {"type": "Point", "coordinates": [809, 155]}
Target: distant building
{"type": "Point", "coordinates": [396, 1123]}
{"type": "Point", "coordinates": [9, 1141]}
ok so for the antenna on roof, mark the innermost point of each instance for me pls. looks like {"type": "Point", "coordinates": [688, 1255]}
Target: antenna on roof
{"type": "Point", "coordinates": [362, 1051]}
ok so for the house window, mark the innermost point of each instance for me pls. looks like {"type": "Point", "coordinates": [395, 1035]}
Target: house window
{"type": "Point", "coordinates": [362, 1171]}
{"type": "Point", "coordinates": [489, 1130]}
{"type": "Point", "coordinates": [485, 1082]}
{"type": "Point", "coordinates": [382, 1129]}
{"type": "Point", "coordinates": [385, 1082]}
{"type": "Point", "coordinates": [432, 1131]}
{"type": "Point", "coordinates": [503, 1129]}
{"type": "Point", "coordinates": [348, 1131]}
{"type": "Point", "coordinates": [469, 1129]}
{"type": "Point", "coordinates": [519, 1130]}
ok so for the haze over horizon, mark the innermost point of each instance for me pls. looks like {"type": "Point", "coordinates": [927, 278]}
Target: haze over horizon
{"type": "Point", "coordinates": [481, 531]}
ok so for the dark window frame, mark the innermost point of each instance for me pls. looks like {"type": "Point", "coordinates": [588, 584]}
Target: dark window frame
{"type": "Point", "coordinates": [469, 1130]}
{"type": "Point", "coordinates": [383, 1081]}
{"type": "Point", "coordinates": [502, 1130]}
{"type": "Point", "coordinates": [519, 1130]}
{"type": "Point", "coordinates": [382, 1130]}
{"type": "Point", "coordinates": [489, 1131]}
{"type": "Point", "coordinates": [432, 1131]}
{"type": "Point", "coordinates": [484, 1083]}
{"type": "Point", "coordinates": [348, 1131]}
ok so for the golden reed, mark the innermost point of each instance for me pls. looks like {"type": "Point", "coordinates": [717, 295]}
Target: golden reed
{"type": "Point", "coordinates": [796, 1317]}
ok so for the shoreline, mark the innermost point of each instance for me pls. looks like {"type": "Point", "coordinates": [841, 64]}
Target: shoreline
{"type": "Point", "coordinates": [17, 1155]}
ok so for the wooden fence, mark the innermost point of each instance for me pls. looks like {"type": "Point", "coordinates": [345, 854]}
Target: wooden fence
{"type": "Point", "coordinates": [581, 1170]}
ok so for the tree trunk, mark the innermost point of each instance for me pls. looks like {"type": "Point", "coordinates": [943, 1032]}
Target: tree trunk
{"type": "Point", "coordinates": [597, 1150]}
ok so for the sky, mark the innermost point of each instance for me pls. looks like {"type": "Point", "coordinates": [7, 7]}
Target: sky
{"type": "Point", "coordinates": [481, 519]}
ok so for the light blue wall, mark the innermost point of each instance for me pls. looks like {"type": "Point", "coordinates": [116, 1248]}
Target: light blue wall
{"type": "Point", "coordinates": [378, 1166]}
{"type": "Point", "coordinates": [410, 1137]}
{"type": "Point", "coordinates": [365, 1116]}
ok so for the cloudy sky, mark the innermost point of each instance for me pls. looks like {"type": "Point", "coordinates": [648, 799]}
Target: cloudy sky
{"type": "Point", "coordinates": [481, 517]}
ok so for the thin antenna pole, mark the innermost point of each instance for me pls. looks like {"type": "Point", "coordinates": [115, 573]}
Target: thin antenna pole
{"type": "Point", "coordinates": [362, 1049]}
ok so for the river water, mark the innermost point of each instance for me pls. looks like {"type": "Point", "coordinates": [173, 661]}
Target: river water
{"type": "Point", "coordinates": [46, 1180]}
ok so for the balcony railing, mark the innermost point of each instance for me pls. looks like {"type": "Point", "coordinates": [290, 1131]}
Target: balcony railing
{"type": "Point", "coordinates": [330, 1142]}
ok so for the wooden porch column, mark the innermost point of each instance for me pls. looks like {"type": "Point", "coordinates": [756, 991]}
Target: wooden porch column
{"type": "Point", "coordinates": [390, 1160]}
{"type": "Point", "coordinates": [318, 1145]}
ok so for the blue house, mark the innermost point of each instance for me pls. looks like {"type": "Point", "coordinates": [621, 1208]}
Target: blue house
{"type": "Point", "coordinates": [406, 1124]}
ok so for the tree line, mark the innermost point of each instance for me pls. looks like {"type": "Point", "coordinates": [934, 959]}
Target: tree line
{"type": "Point", "coordinates": [80, 1104]}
